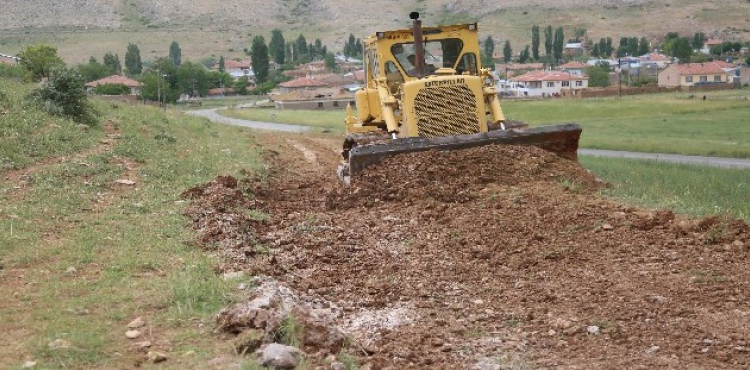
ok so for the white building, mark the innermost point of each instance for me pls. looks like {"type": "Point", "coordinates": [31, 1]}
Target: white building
{"type": "Point", "coordinates": [550, 83]}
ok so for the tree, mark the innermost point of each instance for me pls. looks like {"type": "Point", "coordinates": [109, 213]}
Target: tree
{"type": "Point", "coordinates": [259, 58]}
{"type": "Point", "coordinates": [133, 60]}
{"type": "Point", "coordinates": [643, 47]}
{"type": "Point", "coordinates": [93, 70]}
{"type": "Point", "coordinates": [610, 49]}
{"type": "Point", "coordinates": [241, 85]}
{"type": "Point", "coordinates": [489, 46]}
{"type": "Point", "coordinates": [559, 43]}
{"type": "Point", "coordinates": [633, 46]}
{"type": "Point", "coordinates": [40, 61]}
{"type": "Point", "coordinates": [595, 51]}
{"type": "Point", "coordinates": [622, 50]}
{"type": "Point", "coordinates": [698, 40]}
{"type": "Point", "coordinates": [681, 49]}
{"type": "Point", "coordinates": [598, 75]}
{"type": "Point", "coordinates": [330, 61]}
{"type": "Point", "coordinates": [64, 95]}
{"type": "Point", "coordinates": [175, 53]}
{"type": "Point", "coordinates": [525, 55]}
{"type": "Point", "coordinates": [222, 66]}
{"type": "Point", "coordinates": [276, 47]}
{"type": "Point", "coordinates": [300, 49]}
{"type": "Point", "coordinates": [113, 62]}
{"type": "Point", "coordinates": [548, 41]}
{"type": "Point", "coordinates": [535, 41]}
{"type": "Point", "coordinates": [507, 52]}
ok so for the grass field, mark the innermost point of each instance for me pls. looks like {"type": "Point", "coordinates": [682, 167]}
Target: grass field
{"type": "Point", "coordinates": [687, 189]}
{"type": "Point", "coordinates": [81, 255]}
{"type": "Point", "coordinates": [658, 123]}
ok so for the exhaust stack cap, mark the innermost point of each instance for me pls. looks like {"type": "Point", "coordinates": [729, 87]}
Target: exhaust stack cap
{"type": "Point", "coordinates": [414, 15]}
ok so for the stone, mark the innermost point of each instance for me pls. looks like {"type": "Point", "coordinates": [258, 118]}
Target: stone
{"type": "Point", "coordinates": [338, 366]}
{"type": "Point", "coordinates": [28, 364]}
{"type": "Point", "coordinates": [653, 349]}
{"type": "Point", "coordinates": [607, 227]}
{"type": "Point", "coordinates": [144, 344]}
{"type": "Point", "coordinates": [132, 334]}
{"type": "Point", "coordinates": [593, 329]}
{"type": "Point", "coordinates": [137, 323]}
{"type": "Point", "coordinates": [655, 298]}
{"type": "Point", "coordinates": [248, 341]}
{"type": "Point", "coordinates": [573, 330]}
{"type": "Point", "coordinates": [71, 270]}
{"type": "Point", "coordinates": [156, 356]}
{"type": "Point", "coordinates": [59, 344]}
{"type": "Point", "coordinates": [279, 356]}
{"type": "Point", "coordinates": [125, 182]}
{"type": "Point", "coordinates": [233, 275]}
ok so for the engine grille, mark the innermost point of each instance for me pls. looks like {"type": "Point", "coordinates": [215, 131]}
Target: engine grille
{"type": "Point", "coordinates": [446, 111]}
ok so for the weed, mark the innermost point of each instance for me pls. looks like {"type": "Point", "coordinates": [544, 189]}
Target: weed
{"type": "Point", "coordinates": [349, 361]}
{"type": "Point", "coordinates": [290, 332]}
{"type": "Point", "coordinates": [570, 185]}
{"type": "Point", "coordinates": [716, 234]}
{"type": "Point", "coordinates": [701, 277]}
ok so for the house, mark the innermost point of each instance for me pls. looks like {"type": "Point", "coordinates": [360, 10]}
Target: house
{"type": "Point", "coordinates": [690, 74]}
{"type": "Point", "coordinates": [319, 98]}
{"type": "Point", "coordinates": [237, 68]}
{"type": "Point", "coordinates": [512, 69]}
{"type": "Point", "coordinates": [574, 48]}
{"type": "Point", "coordinates": [301, 83]}
{"type": "Point", "coordinates": [706, 49]}
{"type": "Point", "coordinates": [133, 85]}
{"type": "Point", "coordinates": [550, 83]}
{"type": "Point", "coordinates": [655, 60]}
{"type": "Point", "coordinates": [574, 68]}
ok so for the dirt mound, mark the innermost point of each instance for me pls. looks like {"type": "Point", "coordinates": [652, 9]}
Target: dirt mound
{"type": "Point", "coordinates": [460, 176]}
{"type": "Point", "coordinates": [498, 257]}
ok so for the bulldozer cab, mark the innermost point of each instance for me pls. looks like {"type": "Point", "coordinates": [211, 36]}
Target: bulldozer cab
{"type": "Point", "coordinates": [393, 54]}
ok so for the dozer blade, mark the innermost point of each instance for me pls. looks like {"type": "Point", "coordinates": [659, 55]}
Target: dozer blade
{"type": "Point", "coordinates": [560, 139]}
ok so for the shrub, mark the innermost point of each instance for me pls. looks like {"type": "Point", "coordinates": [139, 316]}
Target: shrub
{"type": "Point", "coordinates": [64, 95]}
{"type": "Point", "coordinates": [112, 89]}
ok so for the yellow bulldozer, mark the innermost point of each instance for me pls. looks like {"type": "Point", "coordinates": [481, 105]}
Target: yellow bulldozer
{"type": "Point", "coordinates": [425, 89]}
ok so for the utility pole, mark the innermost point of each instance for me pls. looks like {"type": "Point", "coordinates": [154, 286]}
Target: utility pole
{"type": "Point", "coordinates": [164, 82]}
{"type": "Point", "coordinates": [619, 79]}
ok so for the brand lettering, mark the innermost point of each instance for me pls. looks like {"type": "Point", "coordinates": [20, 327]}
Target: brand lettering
{"type": "Point", "coordinates": [454, 81]}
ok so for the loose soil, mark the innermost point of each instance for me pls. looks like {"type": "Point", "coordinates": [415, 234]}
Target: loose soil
{"type": "Point", "coordinates": [498, 257]}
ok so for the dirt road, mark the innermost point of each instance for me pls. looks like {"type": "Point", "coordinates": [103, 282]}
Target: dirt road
{"type": "Point", "coordinates": [488, 258]}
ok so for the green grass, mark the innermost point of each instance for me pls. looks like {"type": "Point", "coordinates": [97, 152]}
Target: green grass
{"type": "Point", "coordinates": [658, 123]}
{"type": "Point", "coordinates": [655, 123]}
{"type": "Point", "coordinates": [325, 120]}
{"type": "Point", "coordinates": [130, 246]}
{"type": "Point", "coordinates": [686, 189]}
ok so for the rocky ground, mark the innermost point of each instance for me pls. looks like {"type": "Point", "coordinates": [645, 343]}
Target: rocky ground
{"type": "Point", "coordinates": [498, 257]}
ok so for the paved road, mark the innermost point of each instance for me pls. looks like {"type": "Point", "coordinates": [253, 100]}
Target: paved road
{"type": "Point", "coordinates": [213, 116]}
{"type": "Point", "coordinates": [671, 158]}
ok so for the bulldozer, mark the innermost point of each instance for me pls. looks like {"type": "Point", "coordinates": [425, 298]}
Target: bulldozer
{"type": "Point", "coordinates": [425, 89]}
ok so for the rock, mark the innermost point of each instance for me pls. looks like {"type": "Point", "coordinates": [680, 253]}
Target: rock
{"type": "Point", "coordinates": [144, 344]}
{"type": "Point", "coordinates": [279, 356]}
{"type": "Point", "coordinates": [607, 227]}
{"type": "Point", "coordinates": [338, 366]}
{"type": "Point", "coordinates": [573, 330]}
{"type": "Point", "coordinates": [71, 270]}
{"type": "Point", "coordinates": [156, 356]}
{"type": "Point", "coordinates": [657, 299]}
{"type": "Point", "coordinates": [137, 323]}
{"type": "Point", "coordinates": [28, 364]}
{"type": "Point", "coordinates": [125, 182]}
{"type": "Point", "coordinates": [738, 244]}
{"type": "Point", "coordinates": [653, 349]}
{"type": "Point", "coordinates": [248, 341]}
{"type": "Point", "coordinates": [59, 344]}
{"type": "Point", "coordinates": [233, 275]}
{"type": "Point", "coordinates": [132, 334]}
{"type": "Point", "coordinates": [593, 329]}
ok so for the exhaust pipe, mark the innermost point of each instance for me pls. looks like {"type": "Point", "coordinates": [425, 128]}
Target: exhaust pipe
{"type": "Point", "coordinates": [418, 44]}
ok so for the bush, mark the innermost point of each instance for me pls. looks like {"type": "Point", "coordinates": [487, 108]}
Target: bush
{"type": "Point", "coordinates": [64, 95]}
{"type": "Point", "coordinates": [112, 89]}
{"type": "Point", "coordinates": [10, 71]}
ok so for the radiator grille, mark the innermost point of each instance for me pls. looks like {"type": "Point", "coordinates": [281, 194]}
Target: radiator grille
{"type": "Point", "coordinates": [446, 111]}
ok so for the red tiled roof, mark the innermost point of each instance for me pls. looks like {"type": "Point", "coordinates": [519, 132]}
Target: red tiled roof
{"type": "Point", "coordinates": [655, 57]}
{"type": "Point", "coordinates": [237, 64]}
{"type": "Point", "coordinates": [548, 76]}
{"type": "Point", "coordinates": [303, 82]}
{"type": "Point", "coordinates": [573, 65]}
{"type": "Point", "coordinates": [710, 42]}
{"type": "Point", "coordinates": [512, 66]}
{"type": "Point", "coordinates": [359, 75]}
{"type": "Point", "coordinates": [114, 79]}
{"type": "Point", "coordinates": [709, 68]}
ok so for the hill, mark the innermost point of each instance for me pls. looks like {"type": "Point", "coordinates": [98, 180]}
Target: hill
{"type": "Point", "coordinates": [92, 27]}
